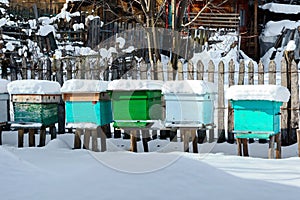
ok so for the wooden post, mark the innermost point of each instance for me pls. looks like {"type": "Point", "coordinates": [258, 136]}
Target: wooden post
{"type": "Point", "coordinates": [52, 130]}
{"type": "Point", "coordinates": [186, 139]}
{"type": "Point", "coordinates": [245, 147]}
{"type": "Point", "coordinates": [284, 108]}
{"type": "Point", "coordinates": [221, 106]}
{"type": "Point", "coordinates": [42, 136]}
{"type": "Point", "coordinates": [278, 145]}
{"type": "Point", "coordinates": [86, 139]}
{"type": "Point", "coordinates": [230, 138]}
{"type": "Point", "coordinates": [102, 136]}
{"type": "Point", "coordinates": [94, 140]}
{"type": "Point", "coordinates": [239, 146]}
{"type": "Point", "coordinates": [298, 141]}
{"type": "Point", "coordinates": [271, 147]}
{"type": "Point", "coordinates": [294, 103]}
{"type": "Point", "coordinates": [77, 138]}
{"type": "Point", "coordinates": [200, 69]}
{"type": "Point", "coordinates": [145, 139]}
{"type": "Point", "coordinates": [31, 138]}
{"type": "Point", "coordinates": [21, 137]}
{"type": "Point", "coordinates": [261, 81]}
{"type": "Point", "coordinates": [251, 82]}
{"type": "Point", "coordinates": [0, 134]}
{"type": "Point", "coordinates": [241, 73]}
{"type": "Point", "coordinates": [211, 78]}
{"type": "Point", "coordinates": [194, 141]}
{"type": "Point", "coordinates": [133, 141]}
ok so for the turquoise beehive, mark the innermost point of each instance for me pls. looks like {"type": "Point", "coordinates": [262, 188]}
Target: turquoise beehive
{"type": "Point", "coordinates": [87, 102]}
{"type": "Point", "coordinates": [257, 109]}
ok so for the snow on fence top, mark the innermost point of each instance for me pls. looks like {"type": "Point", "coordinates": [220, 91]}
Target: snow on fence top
{"type": "Point", "coordinates": [84, 86]}
{"type": "Point", "coordinates": [258, 92]}
{"type": "Point", "coordinates": [281, 8]}
{"type": "Point", "coordinates": [130, 85]}
{"type": "Point", "coordinates": [3, 85]}
{"type": "Point", "coordinates": [33, 87]}
{"type": "Point", "coordinates": [188, 87]}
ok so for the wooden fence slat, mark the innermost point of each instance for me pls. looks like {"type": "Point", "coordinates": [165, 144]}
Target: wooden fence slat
{"type": "Point", "coordinates": [221, 126]}
{"type": "Point", "coordinates": [211, 78]}
{"type": "Point", "coordinates": [261, 77]}
{"type": "Point", "coordinates": [272, 73]}
{"type": "Point", "coordinates": [241, 73]}
{"type": "Point", "coordinates": [200, 69]}
{"type": "Point", "coordinates": [230, 127]}
{"type": "Point", "coordinates": [294, 102]}
{"type": "Point", "coordinates": [251, 73]}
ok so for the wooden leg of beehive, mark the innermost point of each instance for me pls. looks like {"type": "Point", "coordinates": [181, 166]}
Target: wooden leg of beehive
{"type": "Point", "coordinates": [21, 137]}
{"type": "Point", "coordinates": [133, 142]}
{"type": "Point", "coordinates": [102, 135]}
{"type": "Point", "coordinates": [271, 147]}
{"type": "Point", "coordinates": [239, 146]}
{"type": "Point", "coordinates": [52, 130]}
{"type": "Point", "coordinates": [42, 136]}
{"type": "Point", "coordinates": [154, 134]}
{"type": "Point", "coordinates": [86, 138]}
{"type": "Point", "coordinates": [186, 138]}
{"type": "Point", "coordinates": [0, 135]}
{"type": "Point", "coordinates": [77, 138]}
{"type": "Point", "coordinates": [31, 138]}
{"type": "Point", "coordinates": [201, 136]}
{"type": "Point", "coordinates": [94, 140]}
{"type": "Point", "coordinates": [298, 141]}
{"type": "Point", "coordinates": [245, 147]}
{"type": "Point", "coordinates": [194, 141]}
{"type": "Point", "coordinates": [173, 135]}
{"type": "Point", "coordinates": [278, 145]}
{"type": "Point", "coordinates": [145, 139]}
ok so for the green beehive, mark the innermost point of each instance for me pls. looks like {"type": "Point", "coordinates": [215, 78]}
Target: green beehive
{"type": "Point", "coordinates": [136, 103]}
{"type": "Point", "coordinates": [86, 101]}
{"type": "Point", "coordinates": [257, 109]}
{"type": "Point", "coordinates": [35, 101]}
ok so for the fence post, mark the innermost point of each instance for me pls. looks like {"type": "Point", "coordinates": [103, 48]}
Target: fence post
{"type": "Point", "coordinates": [211, 78]}
{"type": "Point", "coordinates": [284, 108]}
{"type": "Point", "coordinates": [221, 106]}
{"type": "Point", "coordinates": [241, 73]}
{"type": "Point", "coordinates": [261, 80]}
{"type": "Point", "coordinates": [294, 102]}
{"type": "Point", "coordinates": [200, 69]}
{"type": "Point", "coordinates": [230, 136]}
{"type": "Point", "coordinates": [61, 104]}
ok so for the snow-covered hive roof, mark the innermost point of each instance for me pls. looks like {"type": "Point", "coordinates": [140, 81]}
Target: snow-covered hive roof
{"type": "Point", "coordinates": [188, 87]}
{"type": "Point", "coordinates": [258, 92]}
{"type": "Point", "coordinates": [3, 85]}
{"type": "Point", "coordinates": [84, 86]}
{"type": "Point", "coordinates": [281, 8]}
{"type": "Point", "coordinates": [131, 85]}
{"type": "Point", "coordinates": [33, 87]}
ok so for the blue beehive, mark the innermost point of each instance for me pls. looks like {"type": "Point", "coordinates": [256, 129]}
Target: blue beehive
{"type": "Point", "coordinates": [257, 109]}
{"type": "Point", "coordinates": [189, 103]}
{"type": "Point", "coordinates": [86, 101]}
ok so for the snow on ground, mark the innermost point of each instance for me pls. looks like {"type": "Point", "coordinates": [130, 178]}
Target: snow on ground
{"type": "Point", "coordinates": [58, 172]}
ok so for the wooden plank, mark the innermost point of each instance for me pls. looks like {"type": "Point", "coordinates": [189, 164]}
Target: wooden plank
{"type": "Point", "coordinates": [77, 138]}
{"type": "Point", "coordinates": [52, 131]}
{"type": "Point", "coordinates": [81, 96]}
{"type": "Point", "coordinates": [0, 134]}
{"type": "Point", "coordinates": [102, 135]}
{"type": "Point", "coordinates": [186, 138]}
{"type": "Point", "coordinates": [283, 110]}
{"type": "Point", "coordinates": [194, 141]}
{"type": "Point", "coordinates": [145, 139]}
{"type": "Point", "coordinates": [221, 105]}
{"type": "Point", "coordinates": [31, 138]}
{"type": "Point", "coordinates": [271, 148]}
{"type": "Point", "coordinates": [245, 147]}
{"type": "Point", "coordinates": [200, 69]}
{"type": "Point", "coordinates": [42, 136]}
{"type": "Point", "coordinates": [133, 140]}
{"type": "Point", "coordinates": [86, 139]}
{"type": "Point", "coordinates": [180, 70]}
{"type": "Point", "coordinates": [261, 77]}
{"type": "Point", "coordinates": [272, 73]}
{"type": "Point", "coordinates": [239, 146]}
{"type": "Point", "coordinates": [241, 73]}
{"type": "Point", "coordinates": [294, 101]}
{"type": "Point", "coordinates": [251, 73]}
{"type": "Point", "coordinates": [278, 145]}
{"type": "Point", "coordinates": [21, 138]}
{"type": "Point", "coordinates": [298, 142]}
{"type": "Point", "coordinates": [94, 140]}
{"type": "Point", "coordinates": [230, 128]}
{"type": "Point", "coordinates": [211, 78]}
{"type": "Point", "coordinates": [36, 98]}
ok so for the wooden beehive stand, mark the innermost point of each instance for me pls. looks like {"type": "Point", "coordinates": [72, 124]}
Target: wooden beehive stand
{"type": "Point", "coordinates": [95, 133]}
{"type": "Point", "coordinates": [33, 127]}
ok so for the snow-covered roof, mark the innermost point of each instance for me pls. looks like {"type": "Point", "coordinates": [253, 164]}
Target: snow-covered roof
{"type": "Point", "coordinates": [3, 85]}
{"type": "Point", "coordinates": [33, 87]}
{"type": "Point", "coordinates": [188, 87]}
{"type": "Point", "coordinates": [258, 92]}
{"type": "Point", "coordinates": [129, 85]}
{"type": "Point", "coordinates": [281, 8]}
{"type": "Point", "coordinates": [84, 86]}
